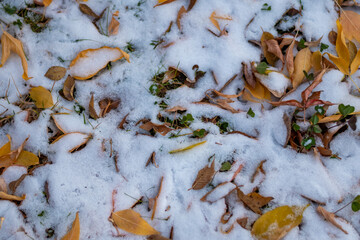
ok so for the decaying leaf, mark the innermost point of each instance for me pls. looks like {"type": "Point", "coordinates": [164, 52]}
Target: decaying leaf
{"type": "Point", "coordinates": [289, 58]}
{"type": "Point", "coordinates": [276, 223]}
{"type": "Point", "coordinates": [68, 89]}
{"type": "Point", "coordinates": [87, 10]}
{"type": "Point", "coordinates": [219, 192]}
{"type": "Point", "coordinates": [74, 232]}
{"type": "Point", "coordinates": [181, 12]}
{"type": "Point", "coordinates": [204, 176]}
{"type": "Point", "coordinates": [156, 199]}
{"type": "Point", "coordinates": [163, 129]}
{"type": "Point", "coordinates": [89, 62]}
{"type": "Point", "coordinates": [3, 186]}
{"type": "Point", "coordinates": [55, 73]}
{"type": "Point", "coordinates": [274, 48]}
{"type": "Point", "coordinates": [42, 97]}
{"type": "Point", "coordinates": [302, 63]}
{"type": "Point", "coordinates": [131, 221]}
{"type": "Point", "coordinates": [253, 200]}
{"type": "Point", "coordinates": [187, 148]}
{"type": "Point", "coordinates": [106, 105]}
{"type": "Point", "coordinates": [270, 57]}
{"type": "Point", "coordinates": [5, 196]}
{"type": "Point", "coordinates": [92, 110]}
{"type": "Point", "coordinates": [350, 22]}
{"type": "Point", "coordinates": [10, 44]}
{"type": "Point", "coordinates": [329, 216]}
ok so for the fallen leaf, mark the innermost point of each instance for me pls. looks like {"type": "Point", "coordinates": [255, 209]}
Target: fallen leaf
{"type": "Point", "coordinates": [259, 169]}
{"type": "Point", "coordinates": [314, 43]}
{"type": "Point", "coordinates": [113, 27]}
{"type": "Point", "coordinates": [42, 97]}
{"type": "Point", "coordinates": [259, 92]}
{"type": "Point", "coordinates": [123, 121]}
{"type": "Point", "coordinates": [47, 2]}
{"type": "Point", "coordinates": [106, 105]}
{"type": "Point", "coordinates": [89, 62]}
{"type": "Point", "coordinates": [87, 10]}
{"type": "Point", "coordinates": [6, 148]}
{"type": "Point", "coordinates": [14, 184]}
{"type": "Point", "coordinates": [10, 158]}
{"type": "Point", "coordinates": [350, 22]}
{"type": "Point", "coordinates": [219, 192]}
{"type": "Point", "coordinates": [27, 159]}
{"type": "Point", "coordinates": [316, 61]}
{"type": "Point", "coordinates": [181, 12]}
{"type": "Point", "coordinates": [248, 75]}
{"type": "Point", "coordinates": [191, 5]}
{"type": "Point", "coordinates": [289, 58]}
{"type": "Point", "coordinates": [5, 196]}
{"type": "Point", "coordinates": [276, 223]}
{"type": "Point", "coordinates": [3, 186]}
{"type": "Point", "coordinates": [329, 216]}
{"type": "Point", "coordinates": [253, 200]}
{"type": "Point", "coordinates": [163, 129]}
{"type": "Point", "coordinates": [74, 232]}
{"type": "Point", "coordinates": [302, 63]}
{"type": "Point", "coordinates": [176, 109]}
{"type": "Point", "coordinates": [92, 110]}
{"type": "Point", "coordinates": [204, 176]}
{"type": "Point", "coordinates": [157, 237]}
{"type": "Point", "coordinates": [163, 2]}
{"type": "Point", "coordinates": [81, 145]}
{"type": "Point", "coordinates": [187, 148]}
{"type": "Point", "coordinates": [332, 37]}
{"type": "Point", "coordinates": [274, 48]}
{"type": "Point", "coordinates": [156, 199]}
{"type": "Point", "coordinates": [68, 89]}
{"type": "Point", "coordinates": [151, 160]}
{"type": "Point", "coordinates": [270, 57]}
{"type": "Point", "coordinates": [131, 221]}
{"type": "Point", "coordinates": [10, 44]}
{"type": "Point", "coordinates": [242, 222]}
{"type": "Point", "coordinates": [214, 18]}
{"type": "Point", "coordinates": [55, 73]}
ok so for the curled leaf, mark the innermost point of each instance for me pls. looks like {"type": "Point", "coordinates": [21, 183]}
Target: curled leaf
{"type": "Point", "coordinates": [329, 216]}
{"type": "Point", "coordinates": [92, 110]}
{"type": "Point", "coordinates": [68, 89]}
{"type": "Point", "coordinates": [179, 16]}
{"type": "Point", "coordinates": [89, 62]}
{"type": "Point", "coordinates": [42, 97]}
{"type": "Point", "coordinates": [5, 196]}
{"type": "Point", "coordinates": [270, 57]}
{"type": "Point", "coordinates": [87, 10]}
{"type": "Point", "coordinates": [131, 221]}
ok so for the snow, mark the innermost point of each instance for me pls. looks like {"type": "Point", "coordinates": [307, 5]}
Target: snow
{"type": "Point", "coordinates": [85, 180]}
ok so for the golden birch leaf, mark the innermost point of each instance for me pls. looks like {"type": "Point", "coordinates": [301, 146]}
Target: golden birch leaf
{"type": "Point", "coordinates": [5, 196]}
{"type": "Point", "coordinates": [351, 24]}
{"type": "Point", "coordinates": [10, 44]}
{"type": "Point", "coordinates": [42, 97]}
{"type": "Point", "coordinates": [89, 62]}
{"type": "Point", "coordinates": [131, 221]}
{"type": "Point", "coordinates": [187, 148]}
{"type": "Point", "coordinates": [74, 232]}
{"type": "Point", "coordinates": [302, 63]}
{"type": "Point", "coordinates": [47, 2]}
{"type": "Point", "coordinates": [276, 223]}
{"type": "Point", "coordinates": [6, 148]}
{"type": "Point", "coordinates": [27, 159]}
{"type": "Point", "coordinates": [259, 91]}
{"type": "Point", "coordinates": [343, 59]}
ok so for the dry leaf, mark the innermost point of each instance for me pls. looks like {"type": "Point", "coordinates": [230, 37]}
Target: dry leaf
{"type": "Point", "coordinates": [96, 59]}
{"type": "Point", "coordinates": [55, 73]}
{"type": "Point", "coordinates": [151, 160]}
{"type": "Point", "coordinates": [276, 223]}
{"type": "Point", "coordinates": [332, 37]}
{"type": "Point", "coordinates": [242, 222]}
{"type": "Point", "coordinates": [92, 110]}
{"type": "Point", "coordinates": [156, 199]}
{"type": "Point", "coordinates": [176, 109]}
{"type": "Point", "coordinates": [14, 184]}
{"type": "Point", "coordinates": [187, 148]}
{"type": "Point", "coordinates": [10, 158]}
{"type": "Point", "coordinates": [81, 145]}
{"type": "Point", "coordinates": [259, 169]}
{"type": "Point", "coordinates": [27, 159]}
{"type": "Point", "coordinates": [10, 44]}
{"type": "Point", "coordinates": [274, 48]}
{"type": "Point", "coordinates": [253, 200]}
{"type": "Point", "coordinates": [289, 58]}
{"type": "Point", "coordinates": [214, 18]}
{"type": "Point", "coordinates": [314, 43]}
{"type": "Point", "coordinates": [248, 75]}
{"type": "Point", "coordinates": [191, 5]}
{"type": "Point", "coordinates": [74, 232]}
{"type": "Point", "coordinates": [350, 22]}
{"type": "Point", "coordinates": [6, 148]}
{"type": "Point", "coordinates": [131, 221]}
{"type": "Point", "coordinates": [302, 63]}
{"type": "Point", "coordinates": [42, 97]}
{"type": "Point", "coordinates": [219, 192]}
{"type": "Point", "coordinates": [68, 89]}
{"type": "Point", "coordinates": [181, 12]}
{"type": "Point", "coordinates": [163, 129]}
{"type": "Point", "coordinates": [47, 2]}
{"type": "Point", "coordinates": [113, 26]}
{"type": "Point", "coordinates": [5, 196]}
{"type": "Point", "coordinates": [163, 2]}
{"type": "Point", "coordinates": [335, 117]}
{"type": "Point", "coordinates": [106, 105]}
{"type": "Point", "coordinates": [329, 216]}
{"type": "Point", "coordinates": [316, 61]}
{"type": "Point", "coordinates": [204, 176]}
{"type": "Point", "coordinates": [270, 57]}
{"type": "Point", "coordinates": [87, 10]}
{"type": "Point", "coordinates": [259, 91]}
{"type": "Point", "coordinates": [3, 186]}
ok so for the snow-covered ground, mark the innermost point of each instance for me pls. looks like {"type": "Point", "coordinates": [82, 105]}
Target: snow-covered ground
{"type": "Point", "coordinates": [84, 181]}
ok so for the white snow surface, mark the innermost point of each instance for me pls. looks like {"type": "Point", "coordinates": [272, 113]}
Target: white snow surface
{"type": "Point", "coordinates": [84, 181]}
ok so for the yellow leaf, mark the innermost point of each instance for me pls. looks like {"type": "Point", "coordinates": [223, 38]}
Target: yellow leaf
{"type": "Point", "coordinates": [74, 232]}
{"type": "Point", "coordinates": [89, 62]}
{"type": "Point", "coordinates": [351, 24]}
{"type": "Point", "coordinates": [276, 223]}
{"type": "Point", "coordinates": [214, 17]}
{"type": "Point", "coordinates": [302, 63]}
{"type": "Point", "coordinates": [131, 221]}
{"type": "Point", "coordinates": [47, 2]}
{"type": "Point", "coordinates": [5, 196]}
{"type": "Point", "coordinates": [10, 44]}
{"type": "Point", "coordinates": [27, 159]}
{"type": "Point", "coordinates": [6, 148]}
{"type": "Point", "coordinates": [259, 91]}
{"type": "Point", "coordinates": [335, 117]}
{"type": "Point", "coordinates": [187, 148]}
{"type": "Point", "coordinates": [42, 97]}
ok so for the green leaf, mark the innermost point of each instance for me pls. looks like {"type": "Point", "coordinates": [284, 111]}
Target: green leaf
{"type": "Point", "coordinates": [317, 129]}
{"type": "Point", "coordinates": [301, 44]}
{"type": "Point", "coordinates": [309, 77]}
{"type": "Point", "coordinates": [266, 7]}
{"type": "Point", "coordinates": [295, 127]}
{"type": "Point", "coordinates": [314, 119]}
{"type": "Point", "coordinates": [320, 110]}
{"type": "Point", "coordinates": [9, 9]}
{"type": "Point", "coordinates": [355, 205]}
{"type": "Point", "coordinates": [261, 67]}
{"type": "Point", "coordinates": [308, 143]}
{"type": "Point", "coordinates": [251, 113]}
{"type": "Point", "coordinates": [225, 166]}
{"type": "Point", "coordinates": [323, 47]}
{"type": "Point", "coordinates": [224, 126]}
{"type": "Point", "coordinates": [346, 110]}
{"type": "Point", "coordinates": [200, 133]}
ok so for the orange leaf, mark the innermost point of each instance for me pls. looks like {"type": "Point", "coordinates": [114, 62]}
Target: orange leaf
{"type": "Point", "coordinates": [113, 26]}
{"type": "Point", "coordinates": [179, 16]}
{"type": "Point", "coordinates": [74, 232]}
{"type": "Point", "coordinates": [329, 216]}
{"type": "Point", "coordinates": [11, 44]}
{"type": "Point", "coordinates": [47, 2]}
{"type": "Point", "coordinates": [5, 196]}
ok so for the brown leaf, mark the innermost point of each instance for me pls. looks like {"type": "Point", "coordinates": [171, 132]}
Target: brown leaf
{"type": "Point", "coordinates": [3, 186]}
{"type": "Point", "coordinates": [286, 41]}
{"type": "Point", "coordinates": [55, 73]}
{"type": "Point", "coordinates": [87, 10]}
{"type": "Point", "coordinates": [203, 177]}
{"type": "Point", "coordinates": [253, 200]}
{"type": "Point", "coordinates": [332, 37]}
{"type": "Point", "coordinates": [248, 75]}
{"type": "Point", "coordinates": [123, 121]}
{"type": "Point", "coordinates": [314, 43]}
{"type": "Point", "coordinates": [242, 222]}
{"type": "Point", "coordinates": [163, 129]}
{"type": "Point", "coordinates": [330, 217]}
{"type": "Point", "coordinates": [324, 152]}
{"type": "Point", "coordinates": [270, 57]}
{"type": "Point", "coordinates": [10, 44]}
{"type": "Point", "coordinates": [329, 135]}
{"type": "Point", "coordinates": [92, 110]}
{"type": "Point", "coordinates": [113, 28]}
{"type": "Point", "coordinates": [191, 5]}
{"type": "Point", "coordinates": [74, 232]}
{"type": "Point", "coordinates": [274, 48]}
{"type": "Point", "coordinates": [163, 2]}
{"type": "Point", "coordinates": [9, 159]}
{"type": "Point", "coordinates": [294, 103]}
{"type": "Point", "coordinates": [289, 58]}
{"type": "Point", "coordinates": [106, 105]}
{"type": "Point", "coordinates": [68, 89]}
{"type": "Point", "coordinates": [5, 196]}
{"type": "Point", "coordinates": [14, 184]}
{"type": "Point", "coordinates": [306, 93]}
{"type": "Point", "coordinates": [156, 199]}
{"type": "Point", "coordinates": [287, 122]}
{"type": "Point", "coordinates": [151, 160]}
{"type": "Point", "coordinates": [258, 170]}
{"type": "Point", "coordinates": [176, 109]}
{"type": "Point", "coordinates": [350, 22]}
{"type": "Point", "coordinates": [179, 16]}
